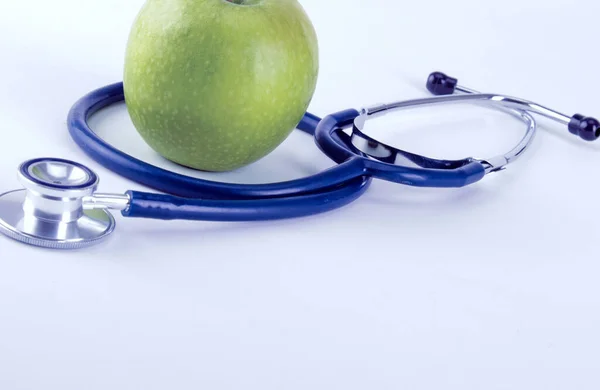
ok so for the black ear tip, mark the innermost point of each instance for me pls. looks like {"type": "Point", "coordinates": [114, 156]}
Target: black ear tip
{"type": "Point", "coordinates": [586, 128]}
{"type": "Point", "coordinates": [439, 83]}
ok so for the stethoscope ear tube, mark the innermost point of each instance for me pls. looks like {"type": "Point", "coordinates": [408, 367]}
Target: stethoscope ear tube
{"type": "Point", "coordinates": [586, 128]}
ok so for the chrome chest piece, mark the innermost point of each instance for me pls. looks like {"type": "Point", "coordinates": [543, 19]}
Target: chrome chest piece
{"type": "Point", "coordinates": [50, 211]}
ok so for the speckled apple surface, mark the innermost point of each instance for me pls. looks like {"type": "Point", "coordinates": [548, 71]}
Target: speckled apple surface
{"type": "Point", "coordinates": [215, 85]}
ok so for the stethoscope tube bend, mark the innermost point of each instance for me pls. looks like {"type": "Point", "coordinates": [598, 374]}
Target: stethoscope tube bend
{"type": "Point", "coordinates": [173, 183]}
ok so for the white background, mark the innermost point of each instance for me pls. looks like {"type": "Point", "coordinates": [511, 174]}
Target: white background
{"type": "Point", "coordinates": [489, 287]}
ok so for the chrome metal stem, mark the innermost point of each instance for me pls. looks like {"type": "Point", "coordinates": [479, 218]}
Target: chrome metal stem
{"type": "Point", "coordinates": [523, 105]}
{"type": "Point", "coordinates": [498, 163]}
{"type": "Point", "coordinates": [506, 101]}
{"type": "Point", "coordinates": [106, 202]}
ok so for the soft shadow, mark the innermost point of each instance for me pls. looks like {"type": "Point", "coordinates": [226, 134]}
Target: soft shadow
{"type": "Point", "coordinates": [194, 233]}
{"type": "Point", "coordinates": [398, 197]}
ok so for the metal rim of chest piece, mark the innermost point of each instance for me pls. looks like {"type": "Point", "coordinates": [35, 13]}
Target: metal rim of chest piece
{"type": "Point", "coordinates": [49, 212]}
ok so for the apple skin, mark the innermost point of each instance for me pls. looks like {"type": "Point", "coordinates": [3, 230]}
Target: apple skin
{"type": "Point", "coordinates": [214, 85]}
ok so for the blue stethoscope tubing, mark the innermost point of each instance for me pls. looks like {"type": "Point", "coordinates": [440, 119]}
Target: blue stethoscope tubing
{"type": "Point", "coordinates": [191, 198]}
{"type": "Point", "coordinates": [186, 197]}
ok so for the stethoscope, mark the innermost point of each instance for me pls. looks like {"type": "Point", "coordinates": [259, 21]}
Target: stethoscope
{"type": "Point", "coordinates": [59, 207]}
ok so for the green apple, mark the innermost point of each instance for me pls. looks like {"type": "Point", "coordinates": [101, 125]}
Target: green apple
{"type": "Point", "coordinates": [216, 85]}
